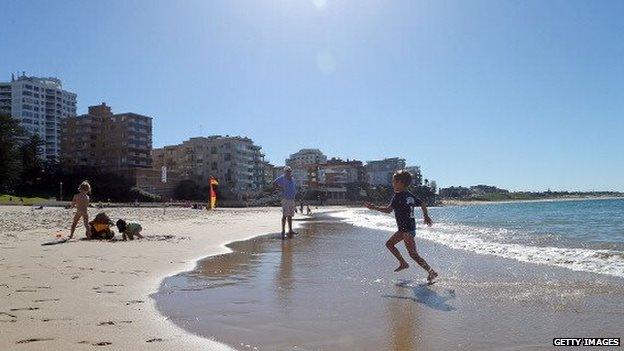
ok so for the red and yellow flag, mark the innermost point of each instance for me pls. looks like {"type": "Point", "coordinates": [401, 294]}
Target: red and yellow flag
{"type": "Point", "coordinates": [213, 192]}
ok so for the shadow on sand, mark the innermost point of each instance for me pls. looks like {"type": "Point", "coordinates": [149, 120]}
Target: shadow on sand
{"type": "Point", "coordinates": [424, 294]}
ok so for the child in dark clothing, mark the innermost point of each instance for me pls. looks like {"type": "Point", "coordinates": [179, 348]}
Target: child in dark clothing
{"type": "Point", "coordinates": [403, 204]}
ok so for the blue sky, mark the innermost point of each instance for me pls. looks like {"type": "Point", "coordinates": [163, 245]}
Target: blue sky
{"type": "Point", "coordinates": [526, 95]}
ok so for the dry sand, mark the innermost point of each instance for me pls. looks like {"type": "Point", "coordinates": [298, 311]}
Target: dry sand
{"type": "Point", "coordinates": [87, 295]}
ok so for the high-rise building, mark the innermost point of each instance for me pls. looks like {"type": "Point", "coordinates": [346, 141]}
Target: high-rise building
{"type": "Point", "coordinates": [333, 177]}
{"type": "Point", "coordinates": [305, 157]}
{"type": "Point", "coordinates": [40, 105]}
{"type": "Point", "coordinates": [235, 161]}
{"type": "Point", "coordinates": [301, 162]}
{"type": "Point", "coordinates": [115, 143]}
{"type": "Point", "coordinates": [380, 172]}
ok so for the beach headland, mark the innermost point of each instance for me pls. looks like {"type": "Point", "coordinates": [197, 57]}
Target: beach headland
{"type": "Point", "coordinates": [83, 294]}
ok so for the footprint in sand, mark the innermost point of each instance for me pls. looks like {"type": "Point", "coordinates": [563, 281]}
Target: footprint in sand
{"type": "Point", "coordinates": [99, 290]}
{"type": "Point", "coordinates": [101, 343]}
{"type": "Point", "coordinates": [47, 300]}
{"type": "Point", "coordinates": [154, 340]}
{"type": "Point", "coordinates": [24, 309]}
{"type": "Point", "coordinates": [132, 302]}
{"type": "Point", "coordinates": [26, 341]}
{"type": "Point", "coordinates": [13, 318]}
{"type": "Point", "coordinates": [56, 319]}
{"type": "Point", "coordinates": [112, 323]}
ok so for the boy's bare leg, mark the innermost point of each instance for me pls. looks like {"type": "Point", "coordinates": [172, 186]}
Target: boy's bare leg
{"type": "Point", "coordinates": [410, 244]}
{"type": "Point", "coordinates": [283, 226]}
{"type": "Point", "coordinates": [395, 239]}
{"type": "Point", "coordinates": [74, 224]}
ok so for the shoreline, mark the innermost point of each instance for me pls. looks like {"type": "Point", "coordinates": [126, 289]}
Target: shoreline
{"type": "Point", "coordinates": [527, 304]}
{"type": "Point", "coordinates": [112, 304]}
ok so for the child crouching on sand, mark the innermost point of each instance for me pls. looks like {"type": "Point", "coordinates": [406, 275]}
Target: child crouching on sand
{"type": "Point", "coordinates": [129, 230]}
{"type": "Point", "coordinates": [81, 202]}
{"type": "Point", "coordinates": [403, 203]}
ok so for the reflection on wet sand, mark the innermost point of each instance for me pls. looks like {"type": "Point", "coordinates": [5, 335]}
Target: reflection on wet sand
{"type": "Point", "coordinates": [402, 322]}
{"type": "Point", "coordinates": [284, 280]}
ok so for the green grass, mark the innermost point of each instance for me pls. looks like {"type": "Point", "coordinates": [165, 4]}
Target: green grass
{"type": "Point", "coordinates": [27, 201]}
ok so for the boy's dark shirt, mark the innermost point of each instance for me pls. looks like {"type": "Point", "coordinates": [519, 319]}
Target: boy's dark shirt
{"type": "Point", "coordinates": [403, 204]}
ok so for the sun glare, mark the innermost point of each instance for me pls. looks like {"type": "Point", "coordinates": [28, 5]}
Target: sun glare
{"type": "Point", "coordinates": [319, 4]}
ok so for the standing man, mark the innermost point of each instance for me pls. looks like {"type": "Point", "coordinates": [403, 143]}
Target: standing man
{"type": "Point", "coordinates": [286, 184]}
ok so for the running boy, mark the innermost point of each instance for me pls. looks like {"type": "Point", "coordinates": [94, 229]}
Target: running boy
{"type": "Point", "coordinates": [403, 203]}
{"type": "Point", "coordinates": [81, 202]}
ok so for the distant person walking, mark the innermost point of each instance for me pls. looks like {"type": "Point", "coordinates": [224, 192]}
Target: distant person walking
{"type": "Point", "coordinates": [286, 184]}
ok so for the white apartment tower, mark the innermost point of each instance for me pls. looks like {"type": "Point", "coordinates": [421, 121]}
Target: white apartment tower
{"type": "Point", "coordinates": [236, 161]}
{"type": "Point", "coordinates": [40, 104]}
{"type": "Point", "coordinates": [306, 157]}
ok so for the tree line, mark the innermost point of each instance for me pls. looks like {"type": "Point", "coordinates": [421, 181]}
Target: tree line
{"type": "Point", "coordinates": [23, 171]}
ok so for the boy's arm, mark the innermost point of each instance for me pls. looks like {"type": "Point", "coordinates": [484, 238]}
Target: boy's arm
{"type": "Point", "coordinates": [73, 202]}
{"type": "Point", "coordinates": [384, 209]}
{"type": "Point", "coordinates": [426, 217]}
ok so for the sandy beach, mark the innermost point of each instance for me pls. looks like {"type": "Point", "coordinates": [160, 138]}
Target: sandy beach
{"type": "Point", "coordinates": [273, 295]}
{"type": "Point", "coordinates": [88, 295]}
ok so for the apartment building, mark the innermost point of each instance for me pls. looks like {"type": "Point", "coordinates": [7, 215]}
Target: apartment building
{"type": "Point", "coordinates": [235, 161]}
{"type": "Point", "coordinates": [301, 163]}
{"type": "Point", "coordinates": [333, 177]}
{"type": "Point", "coordinates": [306, 157]}
{"type": "Point", "coordinates": [379, 172]}
{"type": "Point", "coordinates": [40, 105]}
{"type": "Point", "coordinates": [115, 143]}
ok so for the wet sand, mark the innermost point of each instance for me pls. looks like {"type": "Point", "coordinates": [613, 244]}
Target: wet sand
{"type": "Point", "coordinates": [332, 288]}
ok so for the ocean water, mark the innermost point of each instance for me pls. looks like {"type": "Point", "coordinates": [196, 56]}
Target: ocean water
{"type": "Point", "coordinates": [332, 287]}
{"type": "Point", "coordinates": [582, 235]}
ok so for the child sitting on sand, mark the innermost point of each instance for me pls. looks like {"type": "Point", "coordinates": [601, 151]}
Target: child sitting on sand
{"type": "Point", "coordinates": [81, 202]}
{"type": "Point", "coordinates": [403, 203]}
{"type": "Point", "coordinates": [129, 230]}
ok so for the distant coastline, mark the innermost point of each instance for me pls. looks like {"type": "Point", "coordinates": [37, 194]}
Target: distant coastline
{"type": "Point", "coordinates": [477, 201]}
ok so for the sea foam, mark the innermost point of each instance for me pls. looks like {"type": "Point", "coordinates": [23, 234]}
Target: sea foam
{"type": "Point", "coordinates": [473, 239]}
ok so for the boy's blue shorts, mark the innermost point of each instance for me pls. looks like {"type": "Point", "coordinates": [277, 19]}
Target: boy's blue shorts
{"type": "Point", "coordinates": [412, 233]}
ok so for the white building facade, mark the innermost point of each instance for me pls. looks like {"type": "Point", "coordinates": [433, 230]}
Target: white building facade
{"type": "Point", "coordinates": [300, 162]}
{"type": "Point", "coordinates": [306, 157]}
{"type": "Point", "coordinates": [380, 172]}
{"type": "Point", "coordinates": [236, 161]}
{"type": "Point", "coordinates": [40, 104]}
